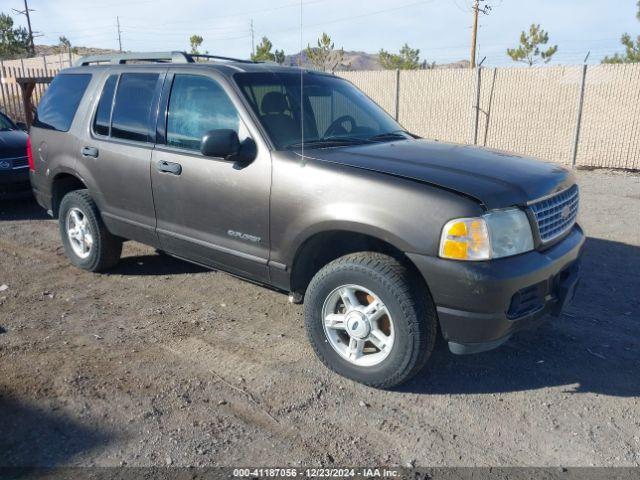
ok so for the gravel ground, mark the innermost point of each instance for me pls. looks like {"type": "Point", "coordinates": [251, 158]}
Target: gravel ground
{"type": "Point", "coordinates": [160, 362]}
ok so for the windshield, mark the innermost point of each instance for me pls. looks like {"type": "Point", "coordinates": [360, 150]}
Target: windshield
{"type": "Point", "coordinates": [335, 112]}
{"type": "Point", "coordinates": [6, 124]}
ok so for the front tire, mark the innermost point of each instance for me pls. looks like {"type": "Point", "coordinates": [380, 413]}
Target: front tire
{"type": "Point", "coordinates": [370, 319]}
{"type": "Point", "coordinates": [87, 242]}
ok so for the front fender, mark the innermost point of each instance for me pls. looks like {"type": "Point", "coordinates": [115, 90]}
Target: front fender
{"type": "Point", "coordinates": [314, 197]}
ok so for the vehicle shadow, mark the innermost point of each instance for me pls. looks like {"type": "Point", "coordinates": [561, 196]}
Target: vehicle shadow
{"type": "Point", "coordinates": [22, 209]}
{"type": "Point", "coordinates": [150, 265]}
{"type": "Point", "coordinates": [592, 347]}
{"type": "Point", "coordinates": [31, 437]}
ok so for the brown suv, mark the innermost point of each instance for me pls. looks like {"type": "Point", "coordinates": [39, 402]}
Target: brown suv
{"type": "Point", "coordinates": [296, 180]}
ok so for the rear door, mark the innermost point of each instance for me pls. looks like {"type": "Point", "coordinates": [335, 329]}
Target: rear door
{"type": "Point", "coordinates": [210, 210]}
{"type": "Point", "coordinates": [116, 153]}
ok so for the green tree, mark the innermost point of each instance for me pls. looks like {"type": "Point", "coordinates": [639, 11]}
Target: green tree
{"type": "Point", "coordinates": [529, 51]}
{"type": "Point", "coordinates": [263, 51]}
{"type": "Point", "coordinates": [632, 49]}
{"type": "Point", "coordinates": [65, 44]}
{"type": "Point", "coordinates": [195, 41]}
{"type": "Point", "coordinates": [325, 57]}
{"type": "Point", "coordinates": [14, 42]}
{"type": "Point", "coordinates": [407, 59]}
{"type": "Point", "coordinates": [279, 56]}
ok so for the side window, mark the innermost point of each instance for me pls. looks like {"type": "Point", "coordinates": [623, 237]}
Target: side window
{"type": "Point", "coordinates": [198, 104]}
{"type": "Point", "coordinates": [132, 109]}
{"type": "Point", "coordinates": [103, 113]}
{"type": "Point", "coordinates": [60, 101]}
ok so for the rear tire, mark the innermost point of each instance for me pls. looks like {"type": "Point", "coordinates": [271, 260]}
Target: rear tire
{"type": "Point", "coordinates": [86, 240]}
{"type": "Point", "coordinates": [380, 349]}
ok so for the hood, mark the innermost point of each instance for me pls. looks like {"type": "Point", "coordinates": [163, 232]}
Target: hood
{"type": "Point", "coordinates": [496, 179]}
{"type": "Point", "coordinates": [13, 143]}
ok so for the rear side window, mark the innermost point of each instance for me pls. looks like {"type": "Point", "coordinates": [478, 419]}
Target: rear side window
{"type": "Point", "coordinates": [131, 117]}
{"type": "Point", "coordinates": [60, 102]}
{"type": "Point", "coordinates": [103, 113]}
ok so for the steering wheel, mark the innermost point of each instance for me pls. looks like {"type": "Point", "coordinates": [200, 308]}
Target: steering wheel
{"type": "Point", "coordinates": [337, 123]}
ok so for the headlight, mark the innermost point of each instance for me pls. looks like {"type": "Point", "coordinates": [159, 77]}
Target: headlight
{"type": "Point", "coordinates": [497, 234]}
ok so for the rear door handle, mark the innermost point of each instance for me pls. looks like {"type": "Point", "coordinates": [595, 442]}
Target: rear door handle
{"type": "Point", "coordinates": [169, 167]}
{"type": "Point", "coordinates": [90, 152]}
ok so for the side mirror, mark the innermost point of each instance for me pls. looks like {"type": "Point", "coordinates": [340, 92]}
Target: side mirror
{"type": "Point", "coordinates": [221, 143]}
{"type": "Point", "coordinates": [22, 126]}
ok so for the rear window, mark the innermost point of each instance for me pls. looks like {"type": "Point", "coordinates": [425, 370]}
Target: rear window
{"type": "Point", "coordinates": [60, 102]}
{"type": "Point", "coordinates": [132, 117]}
{"type": "Point", "coordinates": [103, 114]}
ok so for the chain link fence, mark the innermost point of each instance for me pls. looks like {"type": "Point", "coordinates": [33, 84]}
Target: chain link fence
{"type": "Point", "coordinates": [587, 116]}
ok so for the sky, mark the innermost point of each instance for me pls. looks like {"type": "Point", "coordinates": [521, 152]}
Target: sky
{"type": "Point", "coordinates": [441, 29]}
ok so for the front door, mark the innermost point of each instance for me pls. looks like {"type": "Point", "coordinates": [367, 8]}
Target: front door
{"type": "Point", "coordinates": [210, 210]}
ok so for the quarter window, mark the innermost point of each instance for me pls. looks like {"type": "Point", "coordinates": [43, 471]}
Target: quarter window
{"type": "Point", "coordinates": [132, 115]}
{"type": "Point", "coordinates": [60, 102]}
{"type": "Point", "coordinates": [197, 105]}
{"type": "Point", "coordinates": [103, 113]}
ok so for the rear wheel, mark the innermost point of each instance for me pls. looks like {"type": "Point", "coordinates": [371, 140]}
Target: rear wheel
{"type": "Point", "coordinates": [86, 240]}
{"type": "Point", "coordinates": [370, 320]}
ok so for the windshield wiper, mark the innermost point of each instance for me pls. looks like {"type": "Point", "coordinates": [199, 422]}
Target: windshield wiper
{"type": "Point", "coordinates": [328, 141]}
{"type": "Point", "coordinates": [395, 135]}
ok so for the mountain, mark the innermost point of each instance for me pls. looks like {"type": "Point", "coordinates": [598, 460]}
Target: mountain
{"type": "Point", "coordinates": [56, 49]}
{"type": "Point", "coordinates": [354, 60]}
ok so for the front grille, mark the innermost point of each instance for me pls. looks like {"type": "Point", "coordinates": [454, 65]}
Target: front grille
{"type": "Point", "coordinates": [557, 214]}
{"type": "Point", "coordinates": [15, 162]}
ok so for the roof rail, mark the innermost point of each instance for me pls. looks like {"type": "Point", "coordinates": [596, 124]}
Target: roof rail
{"type": "Point", "coordinates": [218, 57]}
{"type": "Point", "coordinates": [158, 57]}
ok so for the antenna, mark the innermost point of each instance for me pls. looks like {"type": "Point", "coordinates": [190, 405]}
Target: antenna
{"type": "Point", "coordinates": [253, 40]}
{"type": "Point", "coordinates": [301, 88]}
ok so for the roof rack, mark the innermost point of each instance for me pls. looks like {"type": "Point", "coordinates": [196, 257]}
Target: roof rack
{"type": "Point", "coordinates": [157, 57]}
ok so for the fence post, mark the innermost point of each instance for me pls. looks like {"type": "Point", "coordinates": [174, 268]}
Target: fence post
{"type": "Point", "coordinates": [576, 140]}
{"type": "Point", "coordinates": [44, 62]}
{"type": "Point", "coordinates": [397, 105]}
{"type": "Point", "coordinates": [487, 119]}
{"type": "Point", "coordinates": [476, 124]}
{"type": "Point", "coordinates": [4, 97]}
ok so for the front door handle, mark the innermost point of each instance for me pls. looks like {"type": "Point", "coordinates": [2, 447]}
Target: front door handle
{"type": "Point", "coordinates": [169, 167]}
{"type": "Point", "coordinates": [90, 152]}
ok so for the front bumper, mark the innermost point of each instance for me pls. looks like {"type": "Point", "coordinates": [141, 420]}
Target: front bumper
{"type": "Point", "coordinates": [481, 304]}
{"type": "Point", "coordinates": [14, 183]}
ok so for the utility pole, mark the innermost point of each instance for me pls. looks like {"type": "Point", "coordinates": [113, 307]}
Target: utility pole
{"type": "Point", "coordinates": [477, 10]}
{"type": "Point", "coordinates": [25, 12]}
{"type": "Point", "coordinates": [119, 35]}
{"type": "Point", "coordinates": [253, 42]}
{"type": "Point", "coordinates": [474, 34]}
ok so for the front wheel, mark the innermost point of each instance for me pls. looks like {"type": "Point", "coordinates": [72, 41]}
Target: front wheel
{"type": "Point", "coordinates": [369, 319]}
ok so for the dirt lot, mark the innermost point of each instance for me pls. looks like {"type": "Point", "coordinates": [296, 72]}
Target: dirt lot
{"type": "Point", "coordinates": [160, 362]}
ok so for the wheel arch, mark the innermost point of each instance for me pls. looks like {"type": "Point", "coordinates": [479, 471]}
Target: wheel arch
{"type": "Point", "coordinates": [322, 248]}
{"type": "Point", "coordinates": [63, 183]}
